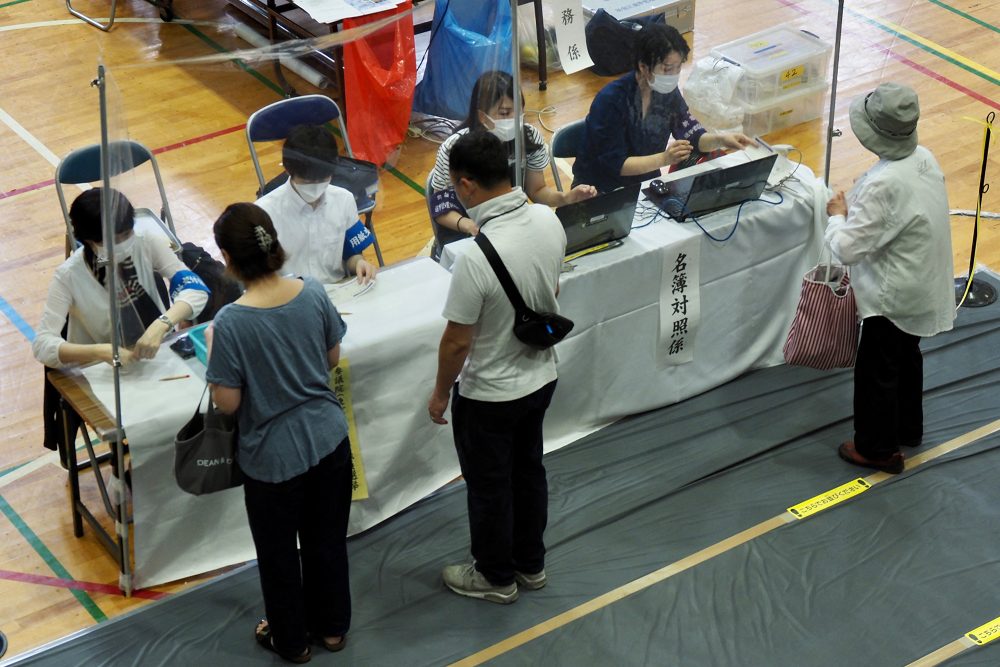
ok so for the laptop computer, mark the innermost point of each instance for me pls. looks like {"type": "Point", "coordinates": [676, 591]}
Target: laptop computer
{"type": "Point", "coordinates": [713, 190]}
{"type": "Point", "coordinates": [606, 217]}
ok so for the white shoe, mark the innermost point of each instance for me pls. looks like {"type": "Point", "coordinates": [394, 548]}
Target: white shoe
{"type": "Point", "coordinates": [468, 581]}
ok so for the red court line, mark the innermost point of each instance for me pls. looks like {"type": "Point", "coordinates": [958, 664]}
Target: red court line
{"type": "Point", "coordinates": [156, 151]}
{"type": "Point", "coordinates": [92, 587]}
{"type": "Point", "coordinates": [791, 4]}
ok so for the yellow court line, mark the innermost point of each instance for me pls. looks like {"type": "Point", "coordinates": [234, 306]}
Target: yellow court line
{"type": "Point", "coordinates": [697, 558]}
{"type": "Point", "coordinates": [946, 652]}
{"type": "Point", "coordinates": [971, 64]}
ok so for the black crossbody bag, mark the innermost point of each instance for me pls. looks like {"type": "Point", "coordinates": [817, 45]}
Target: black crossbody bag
{"type": "Point", "coordinates": [538, 330]}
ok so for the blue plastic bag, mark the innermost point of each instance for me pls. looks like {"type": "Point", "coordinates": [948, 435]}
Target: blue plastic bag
{"type": "Point", "coordinates": [470, 37]}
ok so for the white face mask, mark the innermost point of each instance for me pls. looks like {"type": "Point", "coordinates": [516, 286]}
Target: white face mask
{"type": "Point", "coordinates": [665, 83]}
{"type": "Point", "coordinates": [122, 250]}
{"type": "Point", "coordinates": [504, 129]}
{"type": "Point", "coordinates": [311, 192]}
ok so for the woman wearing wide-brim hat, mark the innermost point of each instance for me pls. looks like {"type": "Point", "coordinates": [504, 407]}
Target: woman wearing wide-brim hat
{"type": "Point", "coordinates": [893, 229]}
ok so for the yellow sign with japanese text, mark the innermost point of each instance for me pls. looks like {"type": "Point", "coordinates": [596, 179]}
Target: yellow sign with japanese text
{"type": "Point", "coordinates": [340, 382]}
{"type": "Point", "coordinates": [829, 499]}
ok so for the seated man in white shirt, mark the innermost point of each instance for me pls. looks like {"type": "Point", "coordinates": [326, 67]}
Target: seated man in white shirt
{"type": "Point", "coordinates": [317, 222]}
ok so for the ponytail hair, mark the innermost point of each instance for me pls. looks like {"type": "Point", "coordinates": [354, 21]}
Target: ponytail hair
{"type": "Point", "coordinates": [248, 236]}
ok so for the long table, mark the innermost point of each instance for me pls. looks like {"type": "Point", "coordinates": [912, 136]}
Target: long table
{"type": "Point", "coordinates": [613, 364]}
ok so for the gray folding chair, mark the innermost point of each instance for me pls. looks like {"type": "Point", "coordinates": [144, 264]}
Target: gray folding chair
{"type": "Point", "coordinates": [83, 165]}
{"type": "Point", "coordinates": [566, 142]}
{"type": "Point", "coordinates": [276, 120]}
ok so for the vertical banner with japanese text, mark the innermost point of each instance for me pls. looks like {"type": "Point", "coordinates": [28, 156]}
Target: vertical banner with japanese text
{"type": "Point", "coordinates": [680, 302]}
{"type": "Point", "coordinates": [340, 382]}
{"type": "Point", "coordinates": [571, 41]}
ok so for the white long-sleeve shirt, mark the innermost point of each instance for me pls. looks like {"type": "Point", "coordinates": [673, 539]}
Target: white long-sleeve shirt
{"type": "Point", "coordinates": [897, 239]}
{"type": "Point", "coordinates": [76, 293]}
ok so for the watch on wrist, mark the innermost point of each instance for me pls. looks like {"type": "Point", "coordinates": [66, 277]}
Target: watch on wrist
{"type": "Point", "coordinates": [166, 320]}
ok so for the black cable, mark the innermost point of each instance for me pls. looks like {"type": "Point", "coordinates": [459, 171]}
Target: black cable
{"type": "Point", "coordinates": [434, 31]}
{"type": "Point", "coordinates": [737, 223]}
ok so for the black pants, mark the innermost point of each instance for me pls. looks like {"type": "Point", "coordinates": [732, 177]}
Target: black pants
{"type": "Point", "coordinates": [500, 450]}
{"type": "Point", "coordinates": [313, 596]}
{"type": "Point", "coordinates": [888, 389]}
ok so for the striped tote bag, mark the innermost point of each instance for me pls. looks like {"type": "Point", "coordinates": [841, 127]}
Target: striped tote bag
{"type": "Point", "coordinates": [824, 333]}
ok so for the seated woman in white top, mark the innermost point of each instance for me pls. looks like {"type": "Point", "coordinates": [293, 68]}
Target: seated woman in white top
{"type": "Point", "coordinates": [492, 109]}
{"type": "Point", "coordinates": [78, 290]}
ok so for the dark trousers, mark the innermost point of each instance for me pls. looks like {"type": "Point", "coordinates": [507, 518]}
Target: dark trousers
{"type": "Point", "coordinates": [312, 596]}
{"type": "Point", "coordinates": [500, 450]}
{"type": "Point", "coordinates": [888, 389]}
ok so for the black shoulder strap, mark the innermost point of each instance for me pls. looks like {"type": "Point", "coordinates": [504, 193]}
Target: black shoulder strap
{"type": "Point", "coordinates": [502, 274]}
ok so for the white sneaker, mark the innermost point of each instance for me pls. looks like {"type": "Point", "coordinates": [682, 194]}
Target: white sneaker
{"type": "Point", "coordinates": [468, 581]}
{"type": "Point", "coordinates": [531, 582]}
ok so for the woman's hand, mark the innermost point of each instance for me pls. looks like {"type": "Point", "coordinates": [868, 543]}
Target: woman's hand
{"type": "Point", "coordinates": [147, 346]}
{"type": "Point", "coordinates": [678, 151]}
{"type": "Point", "coordinates": [125, 355]}
{"type": "Point", "coordinates": [579, 193]}
{"type": "Point", "coordinates": [837, 204]}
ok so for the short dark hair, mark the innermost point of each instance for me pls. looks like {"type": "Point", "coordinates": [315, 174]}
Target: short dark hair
{"type": "Point", "coordinates": [655, 42]}
{"type": "Point", "coordinates": [480, 156]}
{"type": "Point", "coordinates": [246, 233]}
{"type": "Point", "coordinates": [309, 152]}
{"type": "Point", "coordinates": [85, 214]}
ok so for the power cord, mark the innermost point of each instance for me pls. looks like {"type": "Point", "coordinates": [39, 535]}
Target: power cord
{"type": "Point", "coordinates": [737, 223]}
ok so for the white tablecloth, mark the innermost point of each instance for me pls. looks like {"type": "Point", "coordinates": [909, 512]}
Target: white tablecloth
{"type": "Point", "coordinates": [392, 338]}
{"type": "Point", "coordinates": [609, 367]}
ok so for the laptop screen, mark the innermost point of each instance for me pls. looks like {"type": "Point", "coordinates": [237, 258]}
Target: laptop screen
{"type": "Point", "coordinates": [601, 219]}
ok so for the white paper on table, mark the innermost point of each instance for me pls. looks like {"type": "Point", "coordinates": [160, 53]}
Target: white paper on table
{"type": "Point", "coordinates": [680, 302]}
{"type": "Point", "coordinates": [331, 11]}
{"type": "Point", "coordinates": [571, 40]}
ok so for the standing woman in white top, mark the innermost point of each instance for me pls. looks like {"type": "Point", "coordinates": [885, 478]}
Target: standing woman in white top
{"type": "Point", "coordinates": [491, 108]}
{"type": "Point", "coordinates": [79, 290]}
{"type": "Point", "coordinates": [894, 230]}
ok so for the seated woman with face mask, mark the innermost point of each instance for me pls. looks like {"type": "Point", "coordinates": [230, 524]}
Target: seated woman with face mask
{"type": "Point", "coordinates": [79, 290]}
{"type": "Point", "coordinates": [492, 109]}
{"type": "Point", "coordinates": [632, 119]}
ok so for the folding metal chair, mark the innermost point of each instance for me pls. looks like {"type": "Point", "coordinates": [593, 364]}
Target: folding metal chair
{"type": "Point", "coordinates": [165, 6]}
{"type": "Point", "coordinates": [84, 166]}
{"type": "Point", "coordinates": [566, 143]}
{"type": "Point", "coordinates": [275, 121]}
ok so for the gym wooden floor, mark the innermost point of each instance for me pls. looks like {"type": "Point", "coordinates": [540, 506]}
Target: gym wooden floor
{"type": "Point", "coordinates": [52, 584]}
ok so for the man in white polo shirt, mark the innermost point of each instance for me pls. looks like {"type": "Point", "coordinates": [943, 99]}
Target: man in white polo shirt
{"type": "Point", "coordinates": [317, 222]}
{"type": "Point", "coordinates": [499, 403]}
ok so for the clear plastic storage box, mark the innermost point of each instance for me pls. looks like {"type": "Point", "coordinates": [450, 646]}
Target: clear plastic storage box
{"type": "Point", "coordinates": [775, 62]}
{"type": "Point", "coordinates": [803, 104]}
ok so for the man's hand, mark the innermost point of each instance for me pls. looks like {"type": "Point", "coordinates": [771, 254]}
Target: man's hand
{"type": "Point", "coordinates": [436, 406]}
{"type": "Point", "coordinates": [579, 193]}
{"type": "Point", "coordinates": [678, 151]}
{"type": "Point", "coordinates": [837, 205]}
{"type": "Point", "coordinates": [149, 344]}
{"type": "Point", "coordinates": [365, 272]}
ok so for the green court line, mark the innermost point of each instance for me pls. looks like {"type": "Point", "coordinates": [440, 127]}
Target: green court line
{"type": "Point", "coordinates": [50, 559]}
{"type": "Point", "coordinates": [242, 65]}
{"type": "Point", "coordinates": [15, 2]}
{"type": "Point", "coordinates": [406, 179]}
{"type": "Point", "coordinates": [924, 47]}
{"type": "Point", "coordinates": [276, 88]}
{"type": "Point", "coordinates": [95, 441]}
{"type": "Point", "coordinates": [981, 22]}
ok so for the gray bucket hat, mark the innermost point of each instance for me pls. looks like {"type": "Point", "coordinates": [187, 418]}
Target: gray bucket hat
{"type": "Point", "coordinates": [885, 120]}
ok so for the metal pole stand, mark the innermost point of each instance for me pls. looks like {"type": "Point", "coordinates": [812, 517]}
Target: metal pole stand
{"type": "Point", "coordinates": [980, 294]}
